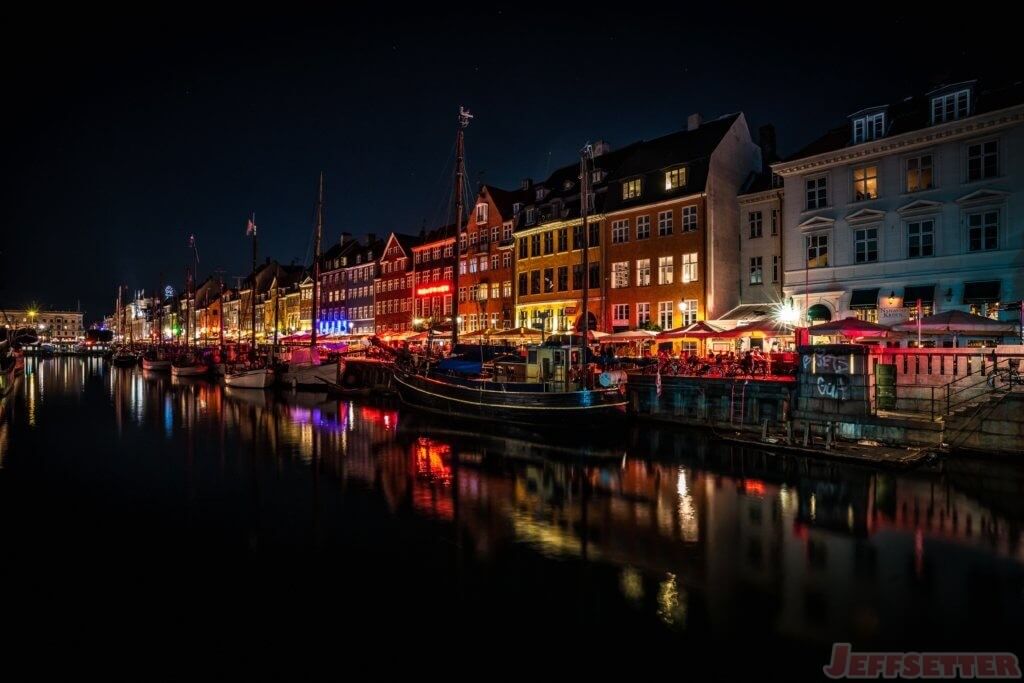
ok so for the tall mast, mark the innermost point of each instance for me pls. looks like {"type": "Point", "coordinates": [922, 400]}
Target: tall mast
{"type": "Point", "coordinates": [460, 171]}
{"type": "Point", "coordinates": [252, 292]}
{"type": "Point", "coordinates": [316, 259]}
{"type": "Point", "coordinates": [586, 154]}
{"type": "Point", "coordinates": [188, 284]}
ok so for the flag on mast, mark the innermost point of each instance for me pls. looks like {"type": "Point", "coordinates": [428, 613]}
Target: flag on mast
{"type": "Point", "coordinates": [250, 228]}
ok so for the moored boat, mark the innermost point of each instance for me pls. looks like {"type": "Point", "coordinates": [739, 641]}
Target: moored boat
{"type": "Point", "coordinates": [250, 378]}
{"type": "Point", "coordinates": [125, 358]}
{"type": "Point", "coordinates": [155, 360]}
{"type": "Point", "coordinates": [189, 365]}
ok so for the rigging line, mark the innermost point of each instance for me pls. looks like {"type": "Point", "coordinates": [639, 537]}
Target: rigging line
{"type": "Point", "coordinates": [446, 172]}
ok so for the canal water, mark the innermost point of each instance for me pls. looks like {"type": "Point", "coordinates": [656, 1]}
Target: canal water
{"type": "Point", "coordinates": [156, 519]}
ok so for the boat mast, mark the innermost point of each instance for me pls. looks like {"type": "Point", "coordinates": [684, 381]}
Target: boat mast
{"type": "Point", "coordinates": [460, 171]}
{"type": "Point", "coordinates": [188, 283]}
{"type": "Point", "coordinates": [252, 293]}
{"type": "Point", "coordinates": [586, 155]}
{"type": "Point", "coordinates": [316, 259]}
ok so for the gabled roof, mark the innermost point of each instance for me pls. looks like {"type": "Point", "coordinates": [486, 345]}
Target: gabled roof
{"type": "Point", "coordinates": [445, 232]}
{"type": "Point", "coordinates": [406, 242]}
{"type": "Point", "coordinates": [914, 113]}
{"type": "Point", "coordinates": [505, 199]}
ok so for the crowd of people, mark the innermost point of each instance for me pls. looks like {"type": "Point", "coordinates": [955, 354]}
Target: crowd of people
{"type": "Point", "coordinates": [751, 363]}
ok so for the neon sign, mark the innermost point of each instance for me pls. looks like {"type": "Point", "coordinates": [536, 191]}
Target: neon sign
{"type": "Point", "coordinates": [433, 289]}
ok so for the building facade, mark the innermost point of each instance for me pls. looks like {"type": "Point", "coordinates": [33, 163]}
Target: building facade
{"type": "Point", "coordinates": [760, 241]}
{"type": "Point", "coordinates": [333, 286]}
{"type": "Point", "coordinates": [907, 207]}
{"type": "Point", "coordinates": [671, 221]}
{"type": "Point", "coordinates": [393, 287]}
{"type": "Point", "coordinates": [486, 296]}
{"type": "Point", "coordinates": [359, 273]}
{"type": "Point", "coordinates": [433, 278]}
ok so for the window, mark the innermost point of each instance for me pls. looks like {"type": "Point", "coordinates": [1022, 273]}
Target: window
{"type": "Point", "coordinates": [522, 284]}
{"type": "Point", "coordinates": [447, 304]}
{"type": "Point", "coordinates": [817, 192]}
{"type": "Point", "coordinates": [620, 231]}
{"type": "Point", "coordinates": [481, 213]}
{"type": "Point", "coordinates": [689, 218]}
{"type": "Point", "coordinates": [535, 245]}
{"type": "Point", "coordinates": [643, 227]}
{"type": "Point", "coordinates": [983, 231]}
{"type": "Point", "coordinates": [472, 265]}
{"type": "Point", "coordinates": [495, 261]}
{"type": "Point", "coordinates": [549, 242]}
{"type": "Point", "coordinates": [688, 308]}
{"type": "Point", "coordinates": [534, 282]}
{"type": "Point", "coordinates": [549, 280]}
{"type": "Point", "coordinates": [921, 238]}
{"type": "Point", "coordinates": [447, 272]}
{"type": "Point", "coordinates": [865, 243]}
{"type": "Point", "coordinates": [620, 314]}
{"type": "Point", "coordinates": [595, 275]}
{"type": "Point", "coordinates": [522, 247]}
{"type": "Point", "coordinates": [982, 160]}
{"type": "Point", "coordinates": [563, 278]}
{"type": "Point", "coordinates": [775, 222]}
{"type": "Point", "coordinates": [643, 272]}
{"type": "Point", "coordinates": [506, 289]}
{"type": "Point", "coordinates": [495, 290]}
{"type": "Point", "coordinates": [577, 236]}
{"type": "Point", "coordinates": [951, 107]}
{"type": "Point", "coordinates": [756, 223]}
{"type": "Point", "coordinates": [462, 294]}
{"type": "Point", "coordinates": [506, 259]}
{"type": "Point", "coordinates": [631, 188]}
{"type": "Point", "coordinates": [665, 267]}
{"type": "Point", "coordinates": [506, 231]}
{"type": "Point", "coordinates": [483, 263]}
{"type": "Point", "coordinates": [577, 276]}
{"type": "Point", "coordinates": [531, 216]}
{"type": "Point", "coordinates": [594, 234]}
{"type": "Point", "coordinates": [462, 267]}
{"type": "Point", "coordinates": [665, 314]}
{"type": "Point", "coordinates": [865, 183]}
{"type": "Point", "coordinates": [437, 253]}
{"type": "Point", "coordinates": [756, 272]}
{"type": "Point", "coordinates": [675, 178]}
{"type": "Point", "coordinates": [495, 233]}
{"type": "Point", "coordinates": [643, 314]}
{"type": "Point", "coordinates": [870, 127]}
{"type": "Point", "coordinates": [690, 267]}
{"type": "Point", "coordinates": [817, 251]}
{"type": "Point", "coordinates": [919, 173]}
{"type": "Point", "coordinates": [664, 223]}
{"type": "Point", "coordinates": [775, 268]}
{"type": "Point", "coordinates": [620, 275]}
{"type": "Point", "coordinates": [563, 239]}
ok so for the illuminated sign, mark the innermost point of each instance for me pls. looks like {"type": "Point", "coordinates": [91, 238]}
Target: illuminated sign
{"type": "Point", "coordinates": [433, 289]}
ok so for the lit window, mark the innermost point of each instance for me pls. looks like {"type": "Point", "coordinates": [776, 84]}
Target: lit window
{"type": "Point", "coordinates": [756, 272]}
{"type": "Point", "coordinates": [690, 267]}
{"type": "Point", "coordinates": [631, 189]}
{"type": "Point", "coordinates": [665, 314]}
{"type": "Point", "coordinates": [919, 173]}
{"type": "Point", "coordinates": [675, 178]}
{"type": "Point", "coordinates": [620, 275]}
{"type": "Point", "coordinates": [817, 251]}
{"type": "Point", "coordinates": [481, 213]}
{"type": "Point", "coordinates": [643, 272]}
{"type": "Point", "coordinates": [620, 314]}
{"type": "Point", "coordinates": [665, 268]}
{"type": "Point", "coordinates": [865, 183]}
{"type": "Point", "coordinates": [643, 314]}
{"type": "Point", "coordinates": [688, 308]}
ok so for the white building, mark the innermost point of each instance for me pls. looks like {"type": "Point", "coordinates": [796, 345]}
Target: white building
{"type": "Point", "coordinates": [915, 201]}
{"type": "Point", "coordinates": [55, 326]}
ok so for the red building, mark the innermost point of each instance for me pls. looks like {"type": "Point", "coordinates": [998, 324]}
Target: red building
{"type": "Point", "coordinates": [433, 277]}
{"type": "Point", "coordinates": [393, 286]}
{"type": "Point", "coordinates": [487, 264]}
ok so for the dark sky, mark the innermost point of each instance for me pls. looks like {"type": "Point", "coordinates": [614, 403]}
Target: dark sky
{"type": "Point", "coordinates": [125, 134]}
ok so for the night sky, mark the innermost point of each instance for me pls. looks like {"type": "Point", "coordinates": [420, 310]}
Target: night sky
{"type": "Point", "coordinates": [126, 134]}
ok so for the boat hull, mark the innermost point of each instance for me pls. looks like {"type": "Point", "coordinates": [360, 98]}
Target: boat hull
{"type": "Point", "coordinates": [531, 407]}
{"type": "Point", "coordinates": [261, 378]}
{"type": "Point", "coordinates": [125, 361]}
{"type": "Point", "coordinates": [155, 364]}
{"type": "Point", "coordinates": [309, 376]}
{"type": "Point", "coordinates": [189, 370]}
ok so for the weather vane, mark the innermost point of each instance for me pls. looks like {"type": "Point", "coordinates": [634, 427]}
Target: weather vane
{"type": "Point", "coordinates": [464, 116]}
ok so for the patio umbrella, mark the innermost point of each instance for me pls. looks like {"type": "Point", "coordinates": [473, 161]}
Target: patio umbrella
{"type": "Point", "coordinates": [850, 327]}
{"type": "Point", "coordinates": [959, 322]}
{"type": "Point", "coordinates": [629, 336]}
{"type": "Point", "coordinates": [764, 327]}
{"type": "Point", "coordinates": [518, 333]}
{"type": "Point", "coordinates": [697, 330]}
{"type": "Point", "coordinates": [489, 332]}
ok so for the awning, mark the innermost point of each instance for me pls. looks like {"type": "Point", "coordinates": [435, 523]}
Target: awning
{"type": "Point", "coordinates": [981, 292]}
{"type": "Point", "coordinates": [926, 293]}
{"type": "Point", "coordinates": [864, 298]}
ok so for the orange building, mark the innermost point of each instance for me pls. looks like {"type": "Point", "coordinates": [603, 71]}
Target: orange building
{"type": "Point", "coordinates": [487, 265]}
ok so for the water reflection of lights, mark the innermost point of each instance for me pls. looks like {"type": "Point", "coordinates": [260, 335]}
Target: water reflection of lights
{"type": "Point", "coordinates": [433, 460]}
{"type": "Point", "coordinates": [632, 584]}
{"type": "Point", "coordinates": [671, 602]}
{"type": "Point", "coordinates": [688, 527]}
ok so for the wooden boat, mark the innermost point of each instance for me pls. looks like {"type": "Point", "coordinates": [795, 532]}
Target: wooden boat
{"type": "Point", "coordinates": [252, 378]}
{"type": "Point", "coordinates": [125, 358]}
{"type": "Point", "coordinates": [335, 389]}
{"type": "Point", "coordinates": [517, 402]}
{"type": "Point", "coordinates": [155, 361]}
{"type": "Point", "coordinates": [189, 366]}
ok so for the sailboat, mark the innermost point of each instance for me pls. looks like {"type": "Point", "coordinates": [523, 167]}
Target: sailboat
{"type": "Point", "coordinates": [254, 374]}
{"type": "Point", "coordinates": [304, 369]}
{"type": "Point", "coordinates": [155, 359]}
{"type": "Point", "coordinates": [125, 357]}
{"type": "Point", "coordinates": [560, 389]}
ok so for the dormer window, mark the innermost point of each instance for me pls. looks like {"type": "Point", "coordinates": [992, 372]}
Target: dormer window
{"type": "Point", "coordinates": [951, 106]}
{"type": "Point", "coordinates": [540, 194]}
{"type": "Point", "coordinates": [631, 189]}
{"type": "Point", "coordinates": [481, 213]}
{"type": "Point", "coordinates": [598, 176]}
{"type": "Point", "coordinates": [870, 127]}
{"type": "Point", "coordinates": [675, 178]}
{"type": "Point", "coordinates": [516, 208]}
{"type": "Point", "coordinates": [359, 258]}
{"type": "Point", "coordinates": [531, 216]}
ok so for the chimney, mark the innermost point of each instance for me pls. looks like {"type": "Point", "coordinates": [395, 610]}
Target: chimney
{"type": "Point", "coordinates": [693, 121]}
{"type": "Point", "coordinates": [601, 147]}
{"type": "Point", "coordinates": [371, 238]}
{"type": "Point", "coordinates": [766, 139]}
{"type": "Point", "coordinates": [345, 237]}
{"type": "Point", "coordinates": [526, 184]}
